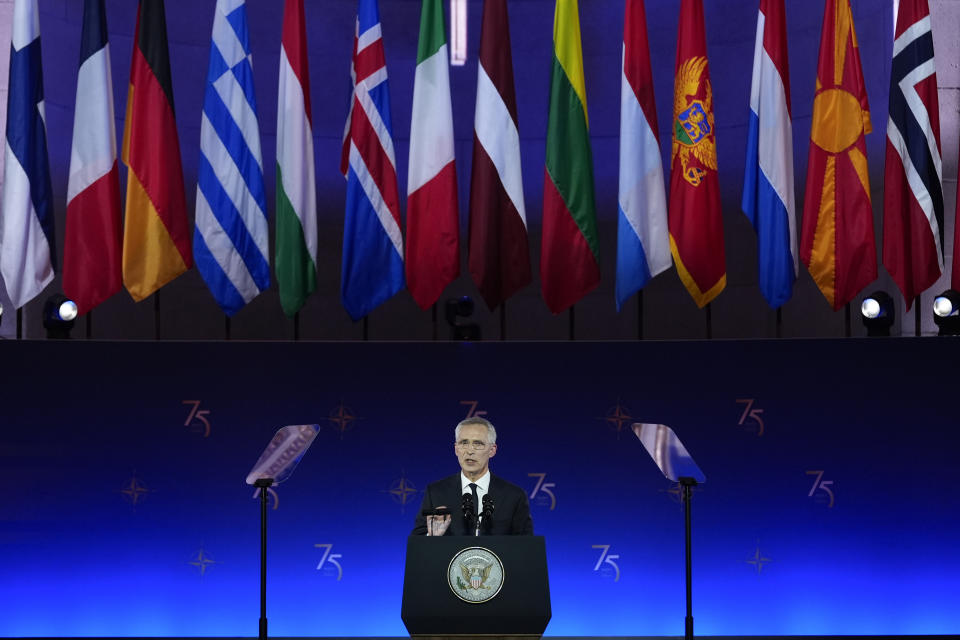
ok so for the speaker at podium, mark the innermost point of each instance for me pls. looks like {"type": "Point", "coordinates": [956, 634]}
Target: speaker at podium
{"type": "Point", "coordinates": [467, 587]}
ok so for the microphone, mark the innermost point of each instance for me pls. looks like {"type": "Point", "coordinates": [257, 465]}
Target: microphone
{"type": "Point", "coordinates": [468, 511]}
{"type": "Point", "coordinates": [487, 515]}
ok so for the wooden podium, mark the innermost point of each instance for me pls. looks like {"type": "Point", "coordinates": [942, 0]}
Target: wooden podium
{"type": "Point", "coordinates": [491, 587]}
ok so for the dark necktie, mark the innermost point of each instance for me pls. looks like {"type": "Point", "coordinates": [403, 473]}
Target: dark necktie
{"type": "Point", "coordinates": [476, 500]}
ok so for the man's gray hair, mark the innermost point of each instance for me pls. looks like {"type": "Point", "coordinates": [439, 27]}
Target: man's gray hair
{"type": "Point", "coordinates": [491, 431]}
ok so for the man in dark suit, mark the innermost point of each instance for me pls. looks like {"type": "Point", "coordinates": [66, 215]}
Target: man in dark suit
{"type": "Point", "coordinates": [505, 511]}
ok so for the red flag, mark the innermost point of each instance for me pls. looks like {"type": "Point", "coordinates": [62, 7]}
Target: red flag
{"type": "Point", "coordinates": [695, 215]}
{"type": "Point", "coordinates": [913, 191]}
{"type": "Point", "coordinates": [837, 237]}
{"type": "Point", "coordinates": [499, 255]}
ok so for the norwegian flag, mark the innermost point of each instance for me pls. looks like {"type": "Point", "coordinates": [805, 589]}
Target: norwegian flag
{"type": "Point", "coordinates": [913, 173]}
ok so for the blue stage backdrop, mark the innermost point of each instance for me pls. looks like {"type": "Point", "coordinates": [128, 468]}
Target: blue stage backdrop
{"type": "Point", "coordinates": [829, 506]}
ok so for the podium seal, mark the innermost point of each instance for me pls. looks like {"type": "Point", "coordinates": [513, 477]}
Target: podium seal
{"type": "Point", "coordinates": [475, 574]}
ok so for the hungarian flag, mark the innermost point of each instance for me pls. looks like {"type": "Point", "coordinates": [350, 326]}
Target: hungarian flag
{"type": "Point", "coordinates": [913, 172]}
{"type": "Point", "coordinates": [93, 247]}
{"type": "Point", "coordinates": [27, 251]}
{"type": "Point", "coordinates": [768, 193]}
{"type": "Point", "coordinates": [643, 249]}
{"type": "Point", "coordinates": [296, 240]}
{"type": "Point", "coordinates": [372, 270]}
{"type": "Point", "coordinates": [570, 252]}
{"type": "Point", "coordinates": [433, 227]}
{"type": "Point", "coordinates": [837, 236]}
{"type": "Point", "coordinates": [695, 217]}
{"type": "Point", "coordinates": [156, 235]}
{"type": "Point", "coordinates": [499, 255]}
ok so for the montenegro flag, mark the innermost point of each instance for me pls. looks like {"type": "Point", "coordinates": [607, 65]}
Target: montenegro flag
{"type": "Point", "coordinates": [156, 235]}
{"type": "Point", "coordinates": [695, 215]}
{"type": "Point", "coordinates": [837, 242]}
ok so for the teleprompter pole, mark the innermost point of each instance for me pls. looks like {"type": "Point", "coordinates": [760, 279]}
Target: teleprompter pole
{"type": "Point", "coordinates": [263, 484]}
{"type": "Point", "coordinates": [688, 484]}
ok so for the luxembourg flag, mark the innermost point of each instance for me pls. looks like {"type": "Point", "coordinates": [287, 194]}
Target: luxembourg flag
{"type": "Point", "coordinates": [26, 217]}
{"type": "Point", "coordinates": [768, 197]}
{"type": "Point", "coordinates": [643, 247]}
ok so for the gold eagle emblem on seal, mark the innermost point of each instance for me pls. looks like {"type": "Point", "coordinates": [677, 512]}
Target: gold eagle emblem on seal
{"type": "Point", "coordinates": [693, 122]}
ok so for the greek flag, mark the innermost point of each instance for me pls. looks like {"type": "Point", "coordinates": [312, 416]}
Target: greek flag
{"type": "Point", "coordinates": [230, 241]}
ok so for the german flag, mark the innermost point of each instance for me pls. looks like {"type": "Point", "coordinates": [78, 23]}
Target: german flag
{"type": "Point", "coordinates": [156, 236]}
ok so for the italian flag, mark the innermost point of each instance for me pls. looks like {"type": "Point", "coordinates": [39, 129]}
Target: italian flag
{"type": "Point", "coordinates": [433, 228]}
{"type": "Point", "coordinates": [570, 255]}
{"type": "Point", "coordinates": [296, 256]}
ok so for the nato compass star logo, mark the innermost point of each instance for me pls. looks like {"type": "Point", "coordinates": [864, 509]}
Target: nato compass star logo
{"type": "Point", "coordinates": [619, 418]}
{"type": "Point", "coordinates": [402, 491]}
{"type": "Point", "coordinates": [342, 417]}
{"type": "Point", "coordinates": [134, 490]}
{"type": "Point", "coordinates": [758, 559]}
{"type": "Point", "coordinates": [202, 561]}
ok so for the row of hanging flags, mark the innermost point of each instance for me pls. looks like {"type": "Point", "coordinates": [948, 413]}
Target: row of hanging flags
{"type": "Point", "coordinates": [229, 243]}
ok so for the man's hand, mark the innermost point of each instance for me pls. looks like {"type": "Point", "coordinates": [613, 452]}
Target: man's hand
{"type": "Point", "coordinates": [437, 525]}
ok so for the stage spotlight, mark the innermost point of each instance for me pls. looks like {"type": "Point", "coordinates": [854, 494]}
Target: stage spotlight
{"type": "Point", "coordinates": [946, 312]}
{"type": "Point", "coordinates": [457, 308]}
{"type": "Point", "coordinates": [59, 312]}
{"type": "Point", "coordinates": [877, 313]}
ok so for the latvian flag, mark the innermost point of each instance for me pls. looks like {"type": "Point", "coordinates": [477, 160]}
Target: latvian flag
{"type": "Point", "coordinates": [433, 227]}
{"type": "Point", "coordinates": [768, 193]}
{"type": "Point", "coordinates": [27, 251]}
{"type": "Point", "coordinates": [643, 246]}
{"type": "Point", "coordinates": [156, 234]}
{"type": "Point", "coordinates": [913, 172]}
{"type": "Point", "coordinates": [499, 255]}
{"type": "Point", "coordinates": [372, 268]}
{"type": "Point", "coordinates": [92, 250]}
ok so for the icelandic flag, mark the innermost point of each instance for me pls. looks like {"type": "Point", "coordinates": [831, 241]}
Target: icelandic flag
{"type": "Point", "coordinates": [643, 247]}
{"type": "Point", "coordinates": [27, 252]}
{"type": "Point", "coordinates": [372, 270]}
{"type": "Point", "coordinates": [230, 243]}
{"type": "Point", "coordinates": [768, 196]}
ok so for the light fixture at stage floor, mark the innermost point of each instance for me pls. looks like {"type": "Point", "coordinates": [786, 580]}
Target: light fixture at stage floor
{"type": "Point", "coordinates": [877, 313]}
{"type": "Point", "coordinates": [59, 313]}
{"type": "Point", "coordinates": [454, 310]}
{"type": "Point", "coordinates": [946, 313]}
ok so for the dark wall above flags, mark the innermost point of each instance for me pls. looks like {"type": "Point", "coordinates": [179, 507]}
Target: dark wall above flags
{"type": "Point", "coordinates": [187, 310]}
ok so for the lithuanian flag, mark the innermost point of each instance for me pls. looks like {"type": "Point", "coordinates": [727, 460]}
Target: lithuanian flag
{"type": "Point", "coordinates": [570, 254]}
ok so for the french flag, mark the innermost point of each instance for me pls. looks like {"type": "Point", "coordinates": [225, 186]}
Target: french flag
{"type": "Point", "coordinates": [768, 196]}
{"type": "Point", "coordinates": [26, 218]}
{"type": "Point", "coordinates": [92, 249]}
{"type": "Point", "coordinates": [643, 247]}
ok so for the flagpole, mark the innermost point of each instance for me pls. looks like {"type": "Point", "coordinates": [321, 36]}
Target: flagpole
{"type": "Point", "coordinates": [503, 320]}
{"type": "Point", "coordinates": [916, 316]}
{"type": "Point", "coordinates": [433, 314]}
{"type": "Point", "coordinates": [709, 311]}
{"type": "Point", "coordinates": [89, 323]}
{"type": "Point", "coordinates": [296, 326]}
{"type": "Point", "coordinates": [156, 315]}
{"type": "Point", "coordinates": [640, 315]}
{"type": "Point", "coordinates": [573, 321]}
{"type": "Point", "coordinates": [226, 326]}
{"type": "Point", "coordinates": [20, 323]}
{"type": "Point", "coordinates": [366, 328]}
{"type": "Point", "coordinates": [846, 313]}
{"type": "Point", "coordinates": [779, 322]}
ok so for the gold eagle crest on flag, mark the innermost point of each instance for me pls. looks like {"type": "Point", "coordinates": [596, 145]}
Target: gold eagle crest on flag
{"type": "Point", "coordinates": [693, 122]}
